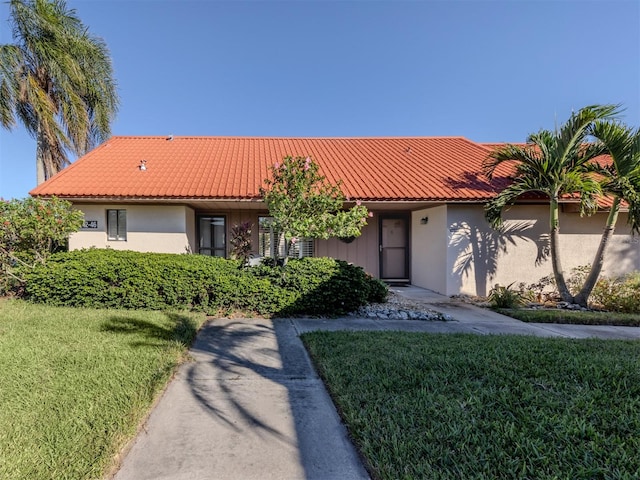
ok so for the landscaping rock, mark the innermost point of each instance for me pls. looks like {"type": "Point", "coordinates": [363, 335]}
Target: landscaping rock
{"type": "Point", "coordinates": [399, 308]}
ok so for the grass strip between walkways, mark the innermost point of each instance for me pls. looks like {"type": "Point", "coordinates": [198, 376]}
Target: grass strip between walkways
{"type": "Point", "coordinates": [576, 317]}
{"type": "Point", "coordinates": [478, 407]}
{"type": "Point", "coordinates": [75, 383]}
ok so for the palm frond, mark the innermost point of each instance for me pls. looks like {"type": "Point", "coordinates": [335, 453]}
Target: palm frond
{"type": "Point", "coordinates": [622, 143]}
{"type": "Point", "coordinates": [62, 87]}
{"type": "Point", "coordinates": [493, 208]}
{"type": "Point", "coordinates": [508, 153]}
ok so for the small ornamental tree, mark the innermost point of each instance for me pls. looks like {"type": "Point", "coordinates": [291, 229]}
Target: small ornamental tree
{"type": "Point", "coordinates": [31, 229]}
{"type": "Point", "coordinates": [304, 205]}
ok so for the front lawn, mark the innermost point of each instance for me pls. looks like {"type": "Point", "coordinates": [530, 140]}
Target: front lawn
{"type": "Point", "coordinates": [477, 407]}
{"type": "Point", "coordinates": [554, 315]}
{"type": "Point", "coordinates": [76, 383]}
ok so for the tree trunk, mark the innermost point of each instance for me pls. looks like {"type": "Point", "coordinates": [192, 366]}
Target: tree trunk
{"type": "Point", "coordinates": [583, 296]}
{"type": "Point", "coordinates": [558, 274]}
{"type": "Point", "coordinates": [40, 175]}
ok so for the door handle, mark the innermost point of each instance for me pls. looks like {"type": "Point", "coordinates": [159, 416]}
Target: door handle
{"type": "Point", "coordinates": [380, 246]}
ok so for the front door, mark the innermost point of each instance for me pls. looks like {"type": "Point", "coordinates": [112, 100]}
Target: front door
{"type": "Point", "coordinates": [394, 247]}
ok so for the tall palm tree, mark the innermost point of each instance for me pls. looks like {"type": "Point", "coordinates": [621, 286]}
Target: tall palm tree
{"type": "Point", "coordinates": [57, 80]}
{"type": "Point", "coordinates": [621, 181]}
{"type": "Point", "coordinates": [554, 164]}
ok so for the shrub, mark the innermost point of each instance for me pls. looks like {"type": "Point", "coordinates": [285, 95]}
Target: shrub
{"type": "Point", "coordinates": [154, 281]}
{"type": "Point", "coordinates": [577, 277]}
{"type": "Point", "coordinates": [323, 285]}
{"type": "Point", "coordinates": [545, 289]}
{"type": "Point", "coordinates": [31, 229]}
{"type": "Point", "coordinates": [125, 279]}
{"type": "Point", "coordinates": [505, 297]}
{"type": "Point", "coordinates": [618, 294]}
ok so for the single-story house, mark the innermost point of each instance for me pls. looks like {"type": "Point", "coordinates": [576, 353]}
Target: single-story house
{"type": "Point", "coordinates": [183, 194]}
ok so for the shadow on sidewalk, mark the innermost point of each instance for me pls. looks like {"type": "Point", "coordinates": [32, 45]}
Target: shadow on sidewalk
{"type": "Point", "coordinates": [233, 355]}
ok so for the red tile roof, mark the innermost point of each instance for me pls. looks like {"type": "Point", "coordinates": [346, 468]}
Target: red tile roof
{"type": "Point", "coordinates": [391, 169]}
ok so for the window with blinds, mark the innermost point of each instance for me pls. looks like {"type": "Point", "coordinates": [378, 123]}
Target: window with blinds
{"type": "Point", "coordinates": [117, 225]}
{"type": "Point", "coordinates": [271, 243]}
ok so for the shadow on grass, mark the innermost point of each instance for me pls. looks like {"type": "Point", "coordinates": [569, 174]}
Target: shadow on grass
{"type": "Point", "coordinates": [178, 327]}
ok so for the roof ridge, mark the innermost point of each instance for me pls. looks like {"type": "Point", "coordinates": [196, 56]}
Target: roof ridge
{"type": "Point", "coordinates": [268, 137]}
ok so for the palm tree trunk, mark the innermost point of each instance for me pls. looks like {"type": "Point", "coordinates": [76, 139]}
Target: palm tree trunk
{"type": "Point", "coordinates": [558, 274]}
{"type": "Point", "coordinates": [40, 153]}
{"type": "Point", "coordinates": [583, 296]}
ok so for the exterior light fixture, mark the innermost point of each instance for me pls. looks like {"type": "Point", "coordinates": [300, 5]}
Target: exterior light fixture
{"type": "Point", "coordinates": [424, 220]}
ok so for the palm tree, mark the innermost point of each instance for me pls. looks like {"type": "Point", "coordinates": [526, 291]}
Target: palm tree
{"type": "Point", "coordinates": [621, 181]}
{"type": "Point", "coordinates": [554, 164]}
{"type": "Point", "coordinates": [57, 80]}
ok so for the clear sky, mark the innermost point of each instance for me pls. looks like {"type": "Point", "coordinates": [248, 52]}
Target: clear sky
{"type": "Point", "coordinates": [490, 71]}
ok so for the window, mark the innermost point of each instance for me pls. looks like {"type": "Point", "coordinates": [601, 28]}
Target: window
{"type": "Point", "coordinates": [213, 236]}
{"type": "Point", "coordinates": [117, 225]}
{"type": "Point", "coordinates": [270, 242]}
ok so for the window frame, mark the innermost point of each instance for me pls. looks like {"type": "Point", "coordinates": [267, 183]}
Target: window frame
{"type": "Point", "coordinates": [210, 250]}
{"type": "Point", "coordinates": [120, 224]}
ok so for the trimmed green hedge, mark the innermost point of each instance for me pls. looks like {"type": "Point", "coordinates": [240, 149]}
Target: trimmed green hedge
{"type": "Point", "coordinates": [155, 281]}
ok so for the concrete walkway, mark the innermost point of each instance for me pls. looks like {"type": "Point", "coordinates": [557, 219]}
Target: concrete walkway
{"type": "Point", "coordinates": [250, 406]}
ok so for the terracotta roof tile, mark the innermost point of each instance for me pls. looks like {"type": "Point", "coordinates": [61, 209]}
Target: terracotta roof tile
{"type": "Point", "coordinates": [412, 168]}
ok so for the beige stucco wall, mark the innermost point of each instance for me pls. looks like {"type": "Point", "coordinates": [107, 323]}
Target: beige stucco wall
{"type": "Point", "coordinates": [429, 249]}
{"type": "Point", "coordinates": [150, 228]}
{"type": "Point", "coordinates": [478, 257]}
{"type": "Point", "coordinates": [455, 252]}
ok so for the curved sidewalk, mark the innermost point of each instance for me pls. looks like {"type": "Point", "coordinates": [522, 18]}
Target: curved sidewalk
{"type": "Point", "coordinates": [250, 405]}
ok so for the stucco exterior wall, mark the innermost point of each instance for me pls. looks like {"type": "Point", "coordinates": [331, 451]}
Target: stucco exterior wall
{"type": "Point", "coordinates": [478, 257]}
{"type": "Point", "coordinates": [150, 228]}
{"type": "Point", "coordinates": [454, 252]}
{"type": "Point", "coordinates": [429, 249]}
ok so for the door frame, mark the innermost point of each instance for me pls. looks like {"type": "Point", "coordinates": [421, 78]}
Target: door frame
{"type": "Point", "coordinates": [406, 218]}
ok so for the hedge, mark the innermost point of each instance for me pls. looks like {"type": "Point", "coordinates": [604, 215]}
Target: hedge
{"type": "Point", "coordinates": [155, 281]}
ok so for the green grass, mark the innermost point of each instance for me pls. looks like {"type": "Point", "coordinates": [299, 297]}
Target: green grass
{"type": "Point", "coordinates": [76, 383]}
{"type": "Point", "coordinates": [424, 406]}
{"type": "Point", "coordinates": [573, 316]}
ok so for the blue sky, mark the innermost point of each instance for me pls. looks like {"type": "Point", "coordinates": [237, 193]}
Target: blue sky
{"type": "Point", "coordinates": [485, 70]}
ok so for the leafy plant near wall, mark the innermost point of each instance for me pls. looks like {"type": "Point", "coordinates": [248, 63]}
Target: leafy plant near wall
{"type": "Point", "coordinates": [31, 229]}
{"type": "Point", "coordinates": [241, 241]}
{"type": "Point", "coordinates": [618, 294]}
{"type": "Point", "coordinates": [304, 204]}
{"type": "Point", "coordinates": [505, 297]}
